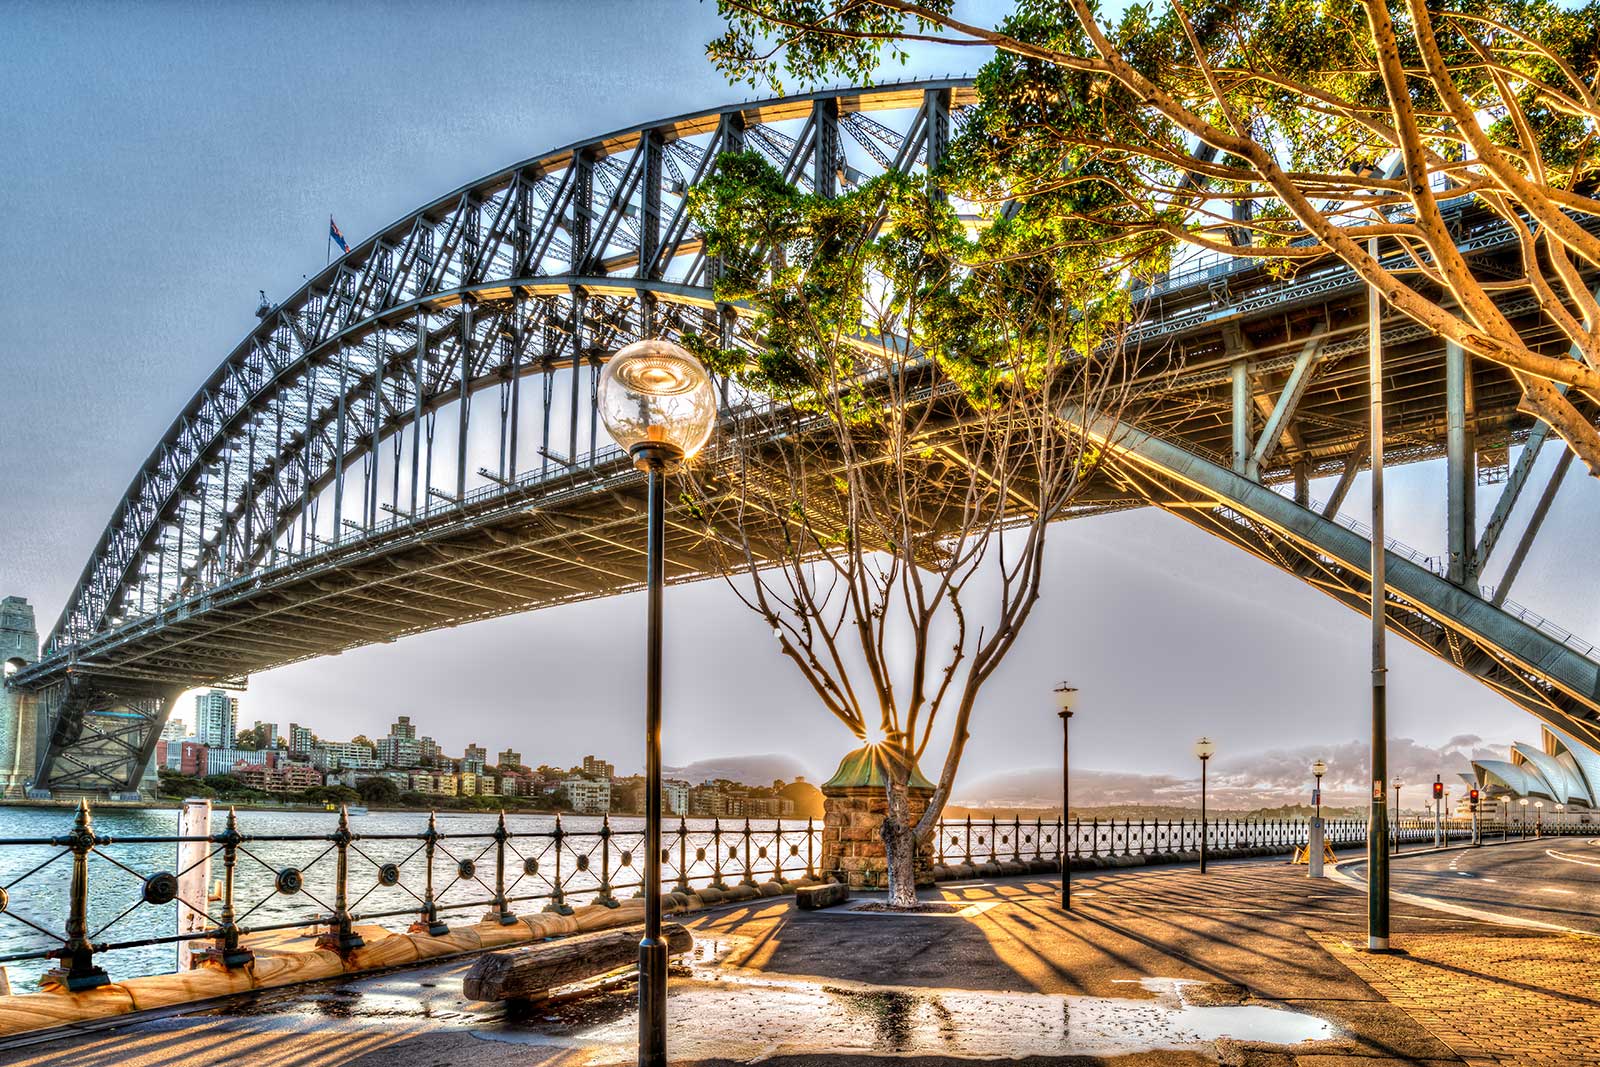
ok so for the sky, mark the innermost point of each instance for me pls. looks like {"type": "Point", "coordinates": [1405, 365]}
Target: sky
{"type": "Point", "coordinates": [164, 162]}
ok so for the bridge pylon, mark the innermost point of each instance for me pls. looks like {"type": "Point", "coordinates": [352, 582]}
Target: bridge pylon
{"type": "Point", "coordinates": [19, 646]}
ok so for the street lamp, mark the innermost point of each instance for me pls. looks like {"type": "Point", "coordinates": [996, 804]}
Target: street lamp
{"type": "Point", "coordinates": [1561, 821]}
{"type": "Point", "coordinates": [1397, 783]}
{"type": "Point", "coordinates": [1203, 748]}
{"type": "Point", "coordinates": [1505, 815]}
{"type": "Point", "coordinates": [1318, 769]}
{"type": "Point", "coordinates": [1066, 700]}
{"type": "Point", "coordinates": [1538, 824]}
{"type": "Point", "coordinates": [1524, 805]}
{"type": "Point", "coordinates": [657, 402]}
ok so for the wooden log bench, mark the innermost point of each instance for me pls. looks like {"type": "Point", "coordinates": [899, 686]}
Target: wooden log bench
{"type": "Point", "coordinates": [812, 897]}
{"type": "Point", "coordinates": [533, 970]}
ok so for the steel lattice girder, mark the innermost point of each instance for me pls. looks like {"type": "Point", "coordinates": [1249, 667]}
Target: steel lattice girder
{"type": "Point", "coordinates": [217, 562]}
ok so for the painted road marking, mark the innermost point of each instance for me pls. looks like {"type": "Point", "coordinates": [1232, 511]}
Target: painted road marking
{"type": "Point", "coordinates": [1553, 889]}
{"type": "Point", "coordinates": [1565, 858]}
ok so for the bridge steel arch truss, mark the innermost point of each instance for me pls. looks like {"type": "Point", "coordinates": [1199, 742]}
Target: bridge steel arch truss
{"type": "Point", "coordinates": [410, 441]}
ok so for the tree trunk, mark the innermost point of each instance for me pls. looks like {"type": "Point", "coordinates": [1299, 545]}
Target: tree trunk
{"type": "Point", "coordinates": [900, 844]}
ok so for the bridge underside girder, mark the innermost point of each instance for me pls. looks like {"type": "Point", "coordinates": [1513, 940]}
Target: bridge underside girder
{"type": "Point", "coordinates": [1539, 671]}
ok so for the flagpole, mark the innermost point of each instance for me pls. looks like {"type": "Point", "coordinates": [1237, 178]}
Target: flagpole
{"type": "Point", "coordinates": [329, 257]}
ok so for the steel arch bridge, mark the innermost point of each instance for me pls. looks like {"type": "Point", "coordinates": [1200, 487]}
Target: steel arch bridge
{"type": "Point", "coordinates": [410, 441]}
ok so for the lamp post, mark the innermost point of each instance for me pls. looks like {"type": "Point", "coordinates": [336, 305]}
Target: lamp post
{"type": "Point", "coordinates": [657, 402]}
{"type": "Point", "coordinates": [1318, 769]}
{"type": "Point", "coordinates": [1561, 820]}
{"type": "Point", "coordinates": [1538, 819]}
{"type": "Point", "coordinates": [1505, 816]}
{"type": "Point", "coordinates": [1523, 804]}
{"type": "Point", "coordinates": [1066, 700]}
{"type": "Point", "coordinates": [1203, 748]}
{"type": "Point", "coordinates": [1316, 845]}
{"type": "Point", "coordinates": [1397, 783]}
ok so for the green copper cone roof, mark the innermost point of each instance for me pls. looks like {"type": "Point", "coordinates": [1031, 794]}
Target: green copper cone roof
{"type": "Point", "coordinates": [865, 767]}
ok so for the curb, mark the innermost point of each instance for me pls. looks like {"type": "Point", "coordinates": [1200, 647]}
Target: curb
{"type": "Point", "coordinates": [1463, 910]}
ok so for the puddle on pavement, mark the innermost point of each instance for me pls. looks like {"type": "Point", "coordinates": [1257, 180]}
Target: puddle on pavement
{"type": "Point", "coordinates": [760, 1017]}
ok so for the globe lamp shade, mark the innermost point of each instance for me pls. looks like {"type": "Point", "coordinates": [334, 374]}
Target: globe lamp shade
{"type": "Point", "coordinates": [654, 393]}
{"type": "Point", "coordinates": [1204, 747]}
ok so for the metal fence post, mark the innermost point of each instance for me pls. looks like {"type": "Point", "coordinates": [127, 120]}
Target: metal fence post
{"type": "Point", "coordinates": [340, 937]}
{"type": "Point", "coordinates": [604, 896]}
{"type": "Point", "coordinates": [683, 857]}
{"type": "Point", "coordinates": [810, 870]}
{"type": "Point", "coordinates": [749, 875]}
{"type": "Point", "coordinates": [227, 948]}
{"type": "Point", "coordinates": [716, 854]}
{"type": "Point", "coordinates": [558, 899]}
{"type": "Point", "coordinates": [969, 840]}
{"type": "Point", "coordinates": [429, 922]}
{"type": "Point", "coordinates": [500, 913]}
{"type": "Point", "coordinates": [77, 954]}
{"type": "Point", "coordinates": [777, 848]}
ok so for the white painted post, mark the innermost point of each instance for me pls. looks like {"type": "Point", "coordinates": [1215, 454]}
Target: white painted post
{"type": "Point", "coordinates": [1314, 849]}
{"type": "Point", "coordinates": [194, 883]}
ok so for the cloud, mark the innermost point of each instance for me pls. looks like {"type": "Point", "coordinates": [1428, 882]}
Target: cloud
{"type": "Point", "coordinates": [1262, 779]}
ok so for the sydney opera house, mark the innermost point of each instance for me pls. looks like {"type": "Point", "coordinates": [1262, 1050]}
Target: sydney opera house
{"type": "Point", "coordinates": [1561, 771]}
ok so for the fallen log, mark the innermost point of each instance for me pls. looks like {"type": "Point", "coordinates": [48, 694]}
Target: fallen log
{"type": "Point", "coordinates": [535, 969]}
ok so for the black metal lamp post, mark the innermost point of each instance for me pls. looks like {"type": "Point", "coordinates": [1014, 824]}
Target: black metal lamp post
{"type": "Point", "coordinates": [1203, 748]}
{"type": "Point", "coordinates": [1066, 699]}
{"type": "Point", "coordinates": [1505, 816]}
{"type": "Point", "coordinates": [657, 402]}
{"type": "Point", "coordinates": [1523, 803]}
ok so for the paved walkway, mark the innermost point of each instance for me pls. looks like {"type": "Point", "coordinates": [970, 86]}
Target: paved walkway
{"type": "Point", "coordinates": [1246, 966]}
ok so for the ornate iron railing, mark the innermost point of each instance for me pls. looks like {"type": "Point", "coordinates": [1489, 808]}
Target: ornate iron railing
{"type": "Point", "coordinates": [220, 891]}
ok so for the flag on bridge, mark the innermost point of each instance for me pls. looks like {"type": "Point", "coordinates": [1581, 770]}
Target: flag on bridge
{"type": "Point", "coordinates": [337, 237]}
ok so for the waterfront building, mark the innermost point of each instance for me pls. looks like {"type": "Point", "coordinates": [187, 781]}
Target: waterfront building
{"type": "Point", "coordinates": [344, 756]}
{"type": "Point", "coordinates": [598, 767]}
{"type": "Point", "coordinates": [301, 739]}
{"type": "Point", "coordinates": [399, 751]}
{"type": "Point", "coordinates": [216, 716]}
{"type": "Point", "coordinates": [174, 730]}
{"type": "Point", "coordinates": [186, 757]}
{"type": "Point", "coordinates": [1560, 770]}
{"type": "Point", "coordinates": [277, 776]}
{"type": "Point", "coordinates": [508, 760]}
{"type": "Point", "coordinates": [222, 760]}
{"type": "Point", "coordinates": [675, 796]}
{"type": "Point", "coordinates": [587, 796]}
{"type": "Point", "coordinates": [431, 784]}
{"type": "Point", "coordinates": [474, 759]}
{"type": "Point", "coordinates": [403, 727]}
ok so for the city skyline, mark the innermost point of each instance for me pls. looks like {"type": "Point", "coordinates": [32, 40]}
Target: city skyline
{"type": "Point", "coordinates": [1169, 634]}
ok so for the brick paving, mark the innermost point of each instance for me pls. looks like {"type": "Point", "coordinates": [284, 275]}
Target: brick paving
{"type": "Point", "coordinates": [1497, 999]}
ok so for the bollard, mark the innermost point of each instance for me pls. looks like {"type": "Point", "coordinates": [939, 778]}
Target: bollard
{"type": "Point", "coordinates": [1314, 849]}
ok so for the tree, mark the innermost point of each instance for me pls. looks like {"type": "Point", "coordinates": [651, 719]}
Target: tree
{"type": "Point", "coordinates": [378, 790]}
{"type": "Point", "coordinates": [362, 739]}
{"type": "Point", "coordinates": [247, 740]}
{"type": "Point", "coordinates": [1320, 128]}
{"type": "Point", "coordinates": [882, 501]}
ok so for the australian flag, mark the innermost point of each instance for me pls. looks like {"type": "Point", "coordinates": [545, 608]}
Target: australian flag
{"type": "Point", "coordinates": [336, 236]}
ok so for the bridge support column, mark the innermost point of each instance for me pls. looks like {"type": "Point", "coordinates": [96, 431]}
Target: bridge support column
{"type": "Point", "coordinates": [19, 709]}
{"type": "Point", "coordinates": [1461, 464]}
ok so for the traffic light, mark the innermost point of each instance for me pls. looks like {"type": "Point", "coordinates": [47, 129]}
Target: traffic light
{"type": "Point", "coordinates": [1438, 790]}
{"type": "Point", "coordinates": [1472, 795]}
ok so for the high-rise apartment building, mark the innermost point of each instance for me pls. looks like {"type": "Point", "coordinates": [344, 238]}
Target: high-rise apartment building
{"type": "Point", "coordinates": [473, 759]}
{"type": "Point", "coordinates": [598, 767]}
{"type": "Point", "coordinates": [216, 716]}
{"type": "Point", "coordinates": [266, 734]}
{"type": "Point", "coordinates": [300, 740]}
{"type": "Point", "coordinates": [403, 727]}
{"type": "Point", "coordinates": [509, 759]}
{"type": "Point", "coordinates": [175, 730]}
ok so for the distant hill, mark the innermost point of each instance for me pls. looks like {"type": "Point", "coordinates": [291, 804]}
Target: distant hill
{"type": "Point", "coordinates": [749, 770]}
